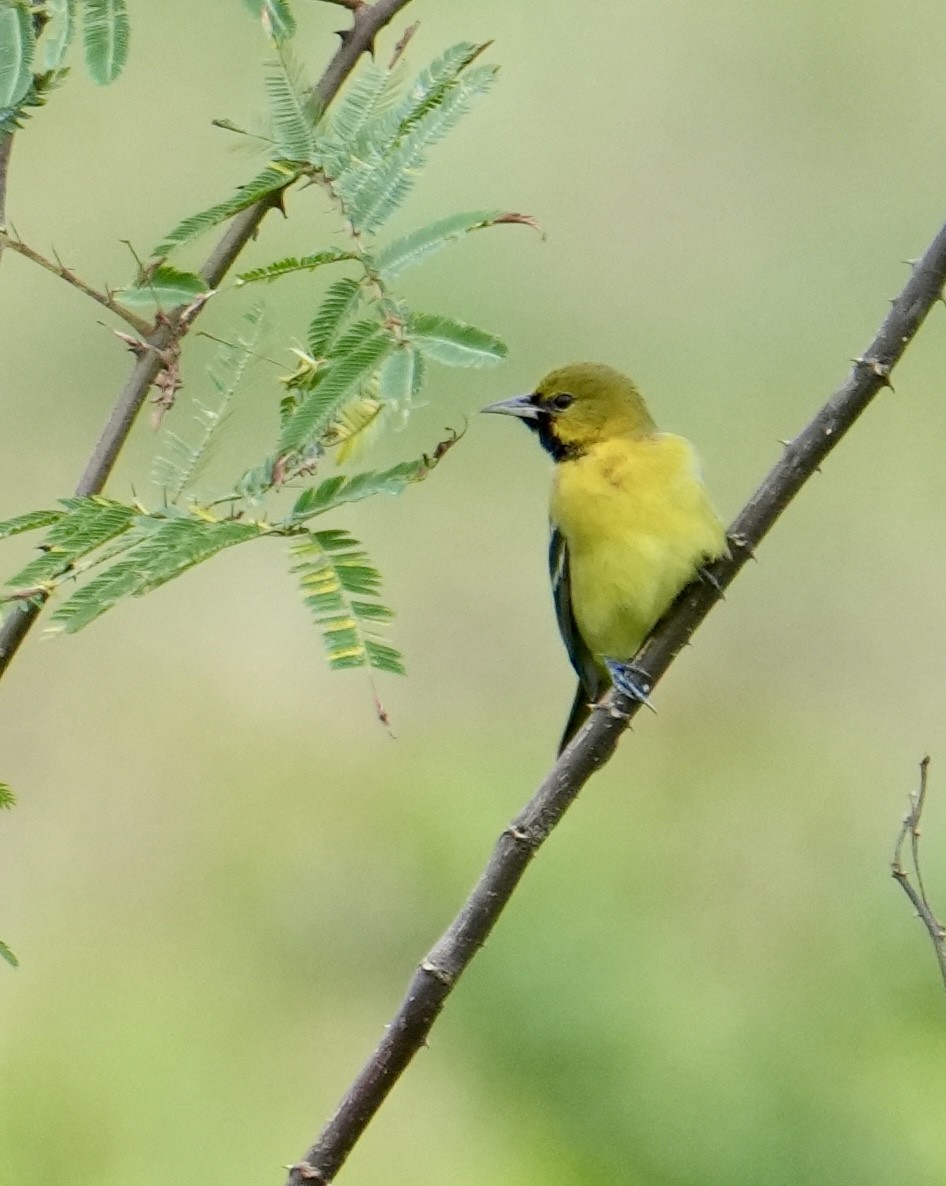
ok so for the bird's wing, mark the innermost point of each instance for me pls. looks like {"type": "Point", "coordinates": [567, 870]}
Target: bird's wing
{"type": "Point", "coordinates": [591, 680]}
{"type": "Point", "coordinates": [581, 658]}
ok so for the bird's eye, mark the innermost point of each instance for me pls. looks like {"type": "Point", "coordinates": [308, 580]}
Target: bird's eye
{"type": "Point", "coordinates": [562, 401]}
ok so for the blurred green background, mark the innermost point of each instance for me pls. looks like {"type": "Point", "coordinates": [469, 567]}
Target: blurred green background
{"type": "Point", "coordinates": [222, 871]}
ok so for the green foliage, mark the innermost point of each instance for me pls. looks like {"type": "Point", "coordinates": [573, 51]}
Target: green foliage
{"type": "Point", "coordinates": [160, 549]}
{"type": "Point", "coordinates": [180, 461]}
{"type": "Point", "coordinates": [453, 343]}
{"type": "Point", "coordinates": [368, 97]}
{"type": "Point", "coordinates": [164, 287]}
{"type": "Point", "coordinates": [137, 551]}
{"type": "Point", "coordinates": [338, 490]}
{"type": "Point", "coordinates": [88, 523]}
{"type": "Point", "coordinates": [366, 360]}
{"type": "Point", "coordinates": [291, 108]}
{"type": "Point", "coordinates": [31, 521]}
{"type": "Point", "coordinates": [58, 33]}
{"type": "Point", "coordinates": [339, 303]}
{"type": "Point", "coordinates": [7, 800]}
{"type": "Point", "coordinates": [41, 86]}
{"type": "Point", "coordinates": [276, 17]}
{"type": "Point", "coordinates": [400, 379]}
{"type": "Point", "coordinates": [270, 181]}
{"type": "Point", "coordinates": [339, 587]}
{"type": "Point", "coordinates": [381, 169]}
{"type": "Point", "coordinates": [410, 249]}
{"type": "Point", "coordinates": [369, 153]}
{"type": "Point", "coordinates": [105, 32]}
{"type": "Point", "coordinates": [285, 267]}
{"type": "Point", "coordinates": [360, 353]}
{"type": "Point", "coordinates": [17, 48]}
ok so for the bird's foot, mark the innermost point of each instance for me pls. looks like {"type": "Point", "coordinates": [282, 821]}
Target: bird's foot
{"type": "Point", "coordinates": [632, 682]}
{"type": "Point", "coordinates": [705, 573]}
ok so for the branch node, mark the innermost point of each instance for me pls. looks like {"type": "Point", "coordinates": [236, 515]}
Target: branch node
{"type": "Point", "coordinates": [438, 973]}
{"type": "Point", "coordinates": [739, 542]}
{"type": "Point", "coordinates": [876, 366]}
{"type": "Point", "coordinates": [522, 836]}
{"type": "Point", "coordinates": [302, 1171]}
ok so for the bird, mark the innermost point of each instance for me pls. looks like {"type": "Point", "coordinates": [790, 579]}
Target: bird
{"type": "Point", "coordinates": [631, 522]}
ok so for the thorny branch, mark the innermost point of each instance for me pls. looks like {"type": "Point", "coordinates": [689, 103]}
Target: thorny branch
{"type": "Point", "coordinates": [440, 969]}
{"type": "Point", "coordinates": [917, 893]}
{"type": "Point", "coordinates": [58, 269]}
{"type": "Point", "coordinates": [367, 22]}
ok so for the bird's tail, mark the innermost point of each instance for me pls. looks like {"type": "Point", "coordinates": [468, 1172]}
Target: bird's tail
{"type": "Point", "coordinates": [577, 717]}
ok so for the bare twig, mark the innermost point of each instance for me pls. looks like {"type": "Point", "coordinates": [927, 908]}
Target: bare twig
{"type": "Point", "coordinates": [917, 894]}
{"type": "Point", "coordinates": [58, 269]}
{"type": "Point", "coordinates": [400, 46]}
{"type": "Point", "coordinates": [367, 22]}
{"type": "Point", "coordinates": [439, 971]}
{"type": "Point", "coordinates": [6, 147]}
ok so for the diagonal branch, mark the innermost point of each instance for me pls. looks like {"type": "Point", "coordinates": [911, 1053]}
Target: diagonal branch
{"type": "Point", "coordinates": [367, 21]}
{"type": "Point", "coordinates": [917, 894]}
{"type": "Point", "coordinates": [439, 971]}
{"type": "Point", "coordinates": [138, 324]}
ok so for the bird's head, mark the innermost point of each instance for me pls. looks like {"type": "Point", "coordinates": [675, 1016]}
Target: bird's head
{"type": "Point", "coordinates": [579, 405]}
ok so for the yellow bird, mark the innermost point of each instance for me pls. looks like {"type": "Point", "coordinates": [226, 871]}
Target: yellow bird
{"type": "Point", "coordinates": [631, 522]}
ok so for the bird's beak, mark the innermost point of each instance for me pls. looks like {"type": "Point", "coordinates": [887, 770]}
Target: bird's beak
{"type": "Point", "coordinates": [520, 405]}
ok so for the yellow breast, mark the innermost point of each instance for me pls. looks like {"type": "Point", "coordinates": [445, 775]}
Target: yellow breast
{"type": "Point", "coordinates": [638, 523]}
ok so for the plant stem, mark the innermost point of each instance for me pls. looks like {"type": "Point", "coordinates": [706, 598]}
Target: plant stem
{"type": "Point", "coordinates": [138, 324]}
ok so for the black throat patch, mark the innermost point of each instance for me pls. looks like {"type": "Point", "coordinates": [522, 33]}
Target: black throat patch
{"type": "Point", "coordinates": [544, 428]}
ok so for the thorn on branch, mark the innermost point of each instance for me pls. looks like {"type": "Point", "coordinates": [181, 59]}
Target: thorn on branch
{"type": "Point", "coordinates": [168, 381]}
{"type": "Point", "coordinates": [741, 543]}
{"type": "Point", "coordinates": [9, 238]}
{"type": "Point", "coordinates": [438, 973]}
{"type": "Point", "coordinates": [876, 367]}
{"type": "Point", "coordinates": [520, 835]}
{"type": "Point", "coordinates": [347, 36]}
{"type": "Point", "coordinates": [303, 1172]}
{"type": "Point", "coordinates": [167, 384]}
{"type": "Point", "coordinates": [136, 345]}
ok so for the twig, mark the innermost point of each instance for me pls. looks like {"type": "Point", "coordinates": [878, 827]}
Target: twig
{"type": "Point", "coordinates": [367, 21]}
{"type": "Point", "coordinates": [6, 147]}
{"type": "Point", "coordinates": [58, 269]}
{"type": "Point", "coordinates": [921, 903]}
{"type": "Point", "coordinates": [592, 747]}
{"type": "Point", "coordinates": [400, 46]}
